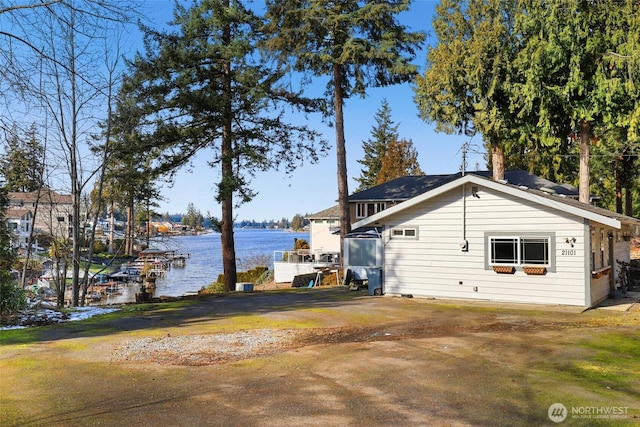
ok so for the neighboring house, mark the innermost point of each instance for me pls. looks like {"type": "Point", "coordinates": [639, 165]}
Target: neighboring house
{"type": "Point", "coordinates": [54, 214]}
{"type": "Point", "coordinates": [323, 252]}
{"type": "Point", "coordinates": [324, 231]}
{"type": "Point", "coordinates": [19, 223]}
{"type": "Point", "coordinates": [522, 240]}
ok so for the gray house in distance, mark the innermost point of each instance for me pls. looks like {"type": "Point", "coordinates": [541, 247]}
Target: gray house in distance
{"type": "Point", "coordinates": [525, 239]}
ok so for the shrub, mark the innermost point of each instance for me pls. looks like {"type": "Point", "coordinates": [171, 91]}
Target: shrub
{"type": "Point", "coordinates": [12, 298]}
{"type": "Point", "coordinates": [251, 276]}
{"type": "Point", "coordinates": [99, 247]}
{"type": "Point", "coordinates": [213, 288]}
{"type": "Point", "coordinates": [300, 244]}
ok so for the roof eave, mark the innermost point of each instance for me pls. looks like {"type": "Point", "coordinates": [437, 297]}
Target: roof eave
{"type": "Point", "coordinates": [474, 179]}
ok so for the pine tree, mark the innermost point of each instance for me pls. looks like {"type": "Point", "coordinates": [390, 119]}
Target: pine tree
{"type": "Point", "coordinates": [577, 76]}
{"type": "Point", "coordinates": [467, 83]}
{"type": "Point", "coordinates": [22, 162]}
{"type": "Point", "coordinates": [383, 133]}
{"type": "Point", "coordinates": [205, 86]}
{"type": "Point", "coordinates": [400, 159]}
{"type": "Point", "coordinates": [356, 44]}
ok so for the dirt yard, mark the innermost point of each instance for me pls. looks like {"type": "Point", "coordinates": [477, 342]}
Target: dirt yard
{"type": "Point", "coordinates": [323, 357]}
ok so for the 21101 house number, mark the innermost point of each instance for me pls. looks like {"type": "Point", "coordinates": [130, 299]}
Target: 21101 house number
{"type": "Point", "coordinates": [569, 252]}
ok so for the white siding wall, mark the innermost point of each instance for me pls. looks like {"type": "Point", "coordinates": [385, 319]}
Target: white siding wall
{"type": "Point", "coordinates": [599, 289]}
{"type": "Point", "coordinates": [433, 265]}
{"type": "Point", "coordinates": [322, 239]}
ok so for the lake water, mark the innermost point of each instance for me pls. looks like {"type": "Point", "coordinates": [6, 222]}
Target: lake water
{"type": "Point", "coordinates": [205, 259]}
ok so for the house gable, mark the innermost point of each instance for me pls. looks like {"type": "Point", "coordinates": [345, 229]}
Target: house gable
{"type": "Point", "coordinates": [546, 200]}
{"type": "Point", "coordinates": [383, 196]}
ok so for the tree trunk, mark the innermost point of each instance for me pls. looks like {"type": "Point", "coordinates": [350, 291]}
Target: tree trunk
{"type": "Point", "coordinates": [585, 140]}
{"type": "Point", "coordinates": [628, 205]}
{"type": "Point", "coordinates": [25, 266]}
{"type": "Point", "coordinates": [341, 155]}
{"type": "Point", "coordinates": [130, 235]}
{"type": "Point", "coordinates": [148, 227]}
{"type": "Point", "coordinates": [627, 181]}
{"type": "Point", "coordinates": [75, 230]}
{"type": "Point", "coordinates": [112, 223]}
{"type": "Point", "coordinates": [76, 187]}
{"type": "Point", "coordinates": [497, 161]}
{"type": "Point", "coordinates": [226, 186]}
{"type": "Point", "coordinates": [618, 191]}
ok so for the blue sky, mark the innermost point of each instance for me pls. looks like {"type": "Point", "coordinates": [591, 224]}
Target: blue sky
{"type": "Point", "coordinates": [312, 188]}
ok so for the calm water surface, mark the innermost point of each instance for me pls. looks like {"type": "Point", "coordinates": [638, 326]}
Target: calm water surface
{"type": "Point", "coordinates": [205, 258]}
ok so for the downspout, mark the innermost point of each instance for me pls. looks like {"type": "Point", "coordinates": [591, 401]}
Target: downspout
{"type": "Point", "coordinates": [464, 245]}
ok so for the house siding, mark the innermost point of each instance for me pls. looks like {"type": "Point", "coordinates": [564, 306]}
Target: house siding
{"type": "Point", "coordinates": [321, 235]}
{"type": "Point", "coordinates": [433, 265]}
{"type": "Point", "coordinates": [53, 217]}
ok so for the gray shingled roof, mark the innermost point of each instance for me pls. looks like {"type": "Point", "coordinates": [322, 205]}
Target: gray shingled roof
{"type": "Point", "coordinates": [587, 207]}
{"type": "Point", "coordinates": [331, 213]}
{"type": "Point", "coordinates": [571, 204]}
{"type": "Point", "coordinates": [407, 187]}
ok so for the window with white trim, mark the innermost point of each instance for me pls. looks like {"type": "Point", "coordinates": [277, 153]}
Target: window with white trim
{"type": "Point", "coordinates": [404, 233]}
{"type": "Point", "coordinates": [518, 250]}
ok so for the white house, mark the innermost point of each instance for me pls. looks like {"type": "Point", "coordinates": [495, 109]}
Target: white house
{"type": "Point", "coordinates": [19, 223]}
{"type": "Point", "coordinates": [324, 231]}
{"type": "Point", "coordinates": [475, 238]}
{"type": "Point", "coordinates": [323, 252]}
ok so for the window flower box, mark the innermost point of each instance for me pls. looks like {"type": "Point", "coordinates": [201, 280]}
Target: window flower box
{"type": "Point", "coordinates": [504, 269]}
{"type": "Point", "coordinates": [597, 274]}
{"type": "Point", "coordinates": [535, 271]}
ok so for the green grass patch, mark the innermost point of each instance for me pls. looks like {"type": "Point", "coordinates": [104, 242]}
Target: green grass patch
{"type": "Point", "coordinates": [598, 371]}
{"type": "Point", "coordinates": [237, 323]}
{"type": "Point", "coordinates": [611, 361]}
{"type": "Point", "coordinates": [93, 326]}
{"type": "Point", "coordinates": [21, 336]}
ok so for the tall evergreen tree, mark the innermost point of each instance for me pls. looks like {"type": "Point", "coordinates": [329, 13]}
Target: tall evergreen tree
{"type": "Point", "coordinates": [22, 162]}
{"type": "Point", "coordinates": [193, 218]}
{"type": "Point", "coordinates": [466, 85]}
{"type": "Point", "coordinates": [12, 297]}
{"type": "Point", "coordinates": [383, 133]}
{"type": "Point", "coordinates": [6, 253]}
{"type": "Point", "coordinates": [206, 86]}
{"type": "Point", "coordinates": [400, 159]}
{"type": "Point", "coordinates": [541, 81]}
{"type": "Point", "coordinates": [578, 64]}
{"type": "Point", "coordinates": [356, 44]}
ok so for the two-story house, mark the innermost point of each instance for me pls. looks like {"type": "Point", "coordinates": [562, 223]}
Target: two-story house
{"type": "Point", "coordinates": [51, 219]}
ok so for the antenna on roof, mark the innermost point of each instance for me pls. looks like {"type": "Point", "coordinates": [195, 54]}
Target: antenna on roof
{"type": "Point", "coordinates": [464, 149]}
